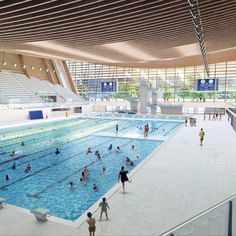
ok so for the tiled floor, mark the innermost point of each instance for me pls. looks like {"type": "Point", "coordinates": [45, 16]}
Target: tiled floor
{"type": "Point", "coordinates": [179, 181]}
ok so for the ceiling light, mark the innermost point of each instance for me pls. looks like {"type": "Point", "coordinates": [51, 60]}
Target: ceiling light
{"type": "Point", "coordinates": [32, 67]}
{"type": "Point", "coordinates": [14, 65]}
{"type": "Point", "coordinates": [47, 70]}
{"type": "Point", "coordinates": [4, 63]}
{"type": "Point", "coordinates": [24, 66]}
{"type": "Point", "coordinates": [40, 68]}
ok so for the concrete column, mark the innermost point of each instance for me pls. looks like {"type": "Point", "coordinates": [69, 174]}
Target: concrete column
{"type": "Point", "coordinates": [143, 95]}
{"type": "Point", "coordinates": [61, 74]}
{"type": "Point", "coordinates": [69, 78]}
{"type": "Point", "coordinates": [133, 105]}
{"type": "Point", "coordinates": [25, 69]}
{"type": "Point", "coordinates": [154, 97]}
{"type": "Point", "coordinates": [153, 109]}
{"type": "Point", "coordinates": [50, 75]}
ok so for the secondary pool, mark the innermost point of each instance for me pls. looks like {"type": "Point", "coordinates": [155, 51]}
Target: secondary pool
{"type": "Point", "coordinates": [46, 184]}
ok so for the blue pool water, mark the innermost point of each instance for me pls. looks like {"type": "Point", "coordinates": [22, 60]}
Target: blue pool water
{"type": "Point", "coordinates": [46, 184]}
{"type": "Point", "coordinates": [136, 116]}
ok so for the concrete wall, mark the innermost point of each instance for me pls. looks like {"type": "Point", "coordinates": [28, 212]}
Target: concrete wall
{"type": "Point", "coordinates": [29, 62]}
{"type": "Point", "coordinates": [100, 106]}
{"type": "Point", "coordinates": [14, 115]}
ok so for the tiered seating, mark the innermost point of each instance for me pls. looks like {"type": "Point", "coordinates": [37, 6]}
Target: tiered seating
{"type": "Point", "coordinates": [67, 94]}
{"type": "Point", "coordinates": [17, 88]}
{"type": "Point", "coordinates": [35, 85]}
{"type": "Point", "coordinates": [12, 91]}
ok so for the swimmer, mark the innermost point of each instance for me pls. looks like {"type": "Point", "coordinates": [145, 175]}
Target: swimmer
{"type": "Point", "coordinates": [110, 148]}
{"type": "Point", "coordinates": [117, 128]}
{"type": "Point", "coordinates": [98, 155]}
{"type": "Point", "coordinates": [137, 157]}
{"type": "Point", "coordinates": [83, 175]}
{"type": "Point", "coordinates": [117, 149]}
{"type": "Point", "coordinates": [127, 160]}
{"type": "Point", "coordinates": [86, 172]}
{"type": "Point", "coordinates": [22, 144]}
{"type": "Point", "coordinates": [14, 166]}
{"type": "Point", "coordinates": [27, 168]}
{"type": "Point", "coordinates": [95, 188]}
{"type": "Point", "coordinates": [7, 177]}
{"type": "Point", "coordinates": [131, 163]}
{"type": "Point", "coordinates": [81, 181]}
{"type": "Point", "coordinates": [71, 185]}
{"type": "Point", "coordinates": [89, 151]}
{"type": "Point", "coordinates": [57, 151]}
{"type": "Point", "coordinates": [132, 147]}
{"type": "Point", "coordinates": [104, 169]}
{"type": "Point", "coordinates": [13, 153]}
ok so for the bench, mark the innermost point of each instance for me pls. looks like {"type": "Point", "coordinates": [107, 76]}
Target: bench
{"type": "Point", "coordinates": [40, 214]}
{"type": "Point", "coordinates": [2, 200]}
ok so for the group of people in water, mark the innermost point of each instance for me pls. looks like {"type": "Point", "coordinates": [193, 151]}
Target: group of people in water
{"type": "Point", "coordinates": [85, 171]}
{"type": "Point", "coordinates": [28, 166]}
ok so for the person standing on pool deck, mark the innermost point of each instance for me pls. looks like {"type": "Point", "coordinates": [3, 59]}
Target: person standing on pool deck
{"type": "Point", "coordinates": [104, 205]}
{"type": "Point", "coordinates": [201, 134]}
{"type": "Point", "coordinates": [123, 177]}
{"type": "Point", "coordinates": [91, 222]}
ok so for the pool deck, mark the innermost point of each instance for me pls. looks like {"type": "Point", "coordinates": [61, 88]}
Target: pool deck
{"type": "Point", "coordinates": [177, 182]}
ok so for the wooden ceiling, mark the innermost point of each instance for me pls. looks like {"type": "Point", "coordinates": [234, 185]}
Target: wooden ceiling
{"type": "Point", "coordinates": [142, 33]}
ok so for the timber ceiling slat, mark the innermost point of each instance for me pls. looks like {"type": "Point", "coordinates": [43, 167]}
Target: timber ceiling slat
{"type": "Point", "coordinates": [139, 24]}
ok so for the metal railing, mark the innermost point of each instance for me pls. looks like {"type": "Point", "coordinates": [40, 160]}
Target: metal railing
{"type": "Point", "coordinates": [172, 231]}
{"type": "Point", "coordinates": [231, 112]}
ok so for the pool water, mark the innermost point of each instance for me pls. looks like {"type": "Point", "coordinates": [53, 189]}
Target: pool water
{"type": "Point", "coordinates": [46, 184]}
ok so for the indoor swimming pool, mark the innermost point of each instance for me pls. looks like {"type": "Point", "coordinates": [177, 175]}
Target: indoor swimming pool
{"type": "Point", "coordinates": [45, 185]}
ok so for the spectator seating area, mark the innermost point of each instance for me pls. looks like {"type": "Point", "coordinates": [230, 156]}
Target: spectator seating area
{"type": "Point", "coordinates": [17, 88]}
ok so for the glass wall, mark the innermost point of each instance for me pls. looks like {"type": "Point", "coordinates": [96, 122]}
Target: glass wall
{"type": "Point", "coordinates": [172, 84]}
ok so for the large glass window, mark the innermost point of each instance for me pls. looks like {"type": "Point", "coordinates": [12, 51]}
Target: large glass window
{"type": "Point", "coordinates": [172, 84]}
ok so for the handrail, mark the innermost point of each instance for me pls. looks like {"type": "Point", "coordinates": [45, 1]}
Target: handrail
{"type": "Point", "coordinates": [230, 218]}
{"type": "Point", "coordinates": [170, 231]}
{"type": "Point", "coordinates": [231, 112]}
